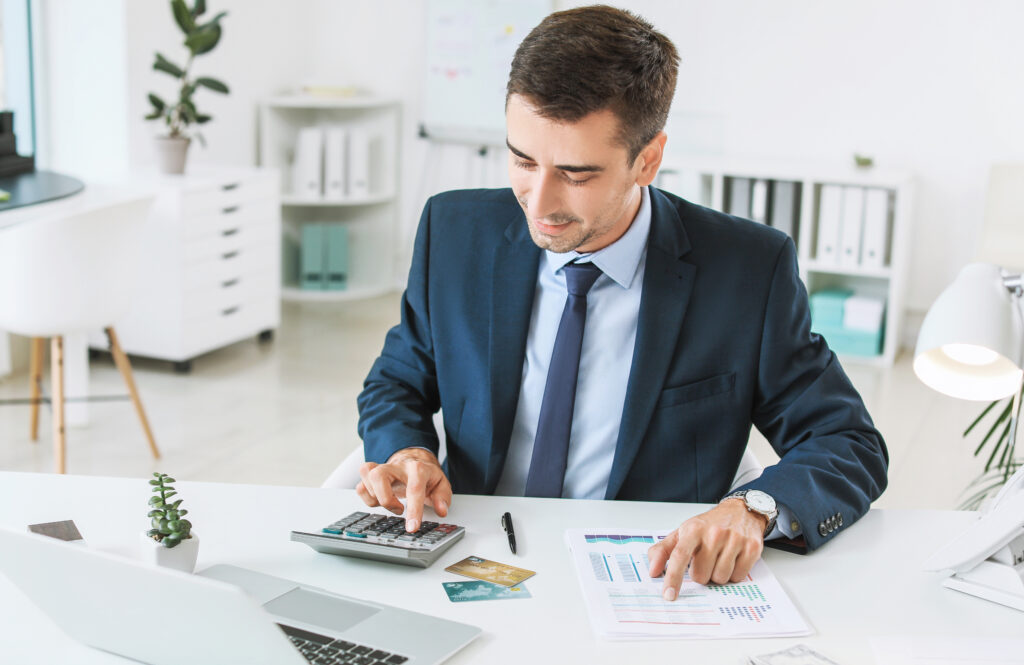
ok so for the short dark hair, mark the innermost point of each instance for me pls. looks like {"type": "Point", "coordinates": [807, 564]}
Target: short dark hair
{"type": "Point", "coordinates": [588, 59]}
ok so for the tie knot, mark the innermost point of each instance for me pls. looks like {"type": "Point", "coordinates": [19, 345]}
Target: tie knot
{"type": "Point", "coordinates": [579, 277]}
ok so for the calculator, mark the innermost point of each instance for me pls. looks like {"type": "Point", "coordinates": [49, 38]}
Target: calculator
{"type": "Point", "coordinates": [382, 537]}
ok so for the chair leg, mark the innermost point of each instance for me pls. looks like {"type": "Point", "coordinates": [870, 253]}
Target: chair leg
{"type": "Point", "coordinates": [57, 373]}
{"type": "Point", "coordinates": [36, 379]}
{"type": "Point", "coordinates": [121, 360]}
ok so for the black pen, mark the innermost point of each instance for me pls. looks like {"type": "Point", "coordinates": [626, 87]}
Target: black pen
{"type": "Point", "coordinates": [506, 521]}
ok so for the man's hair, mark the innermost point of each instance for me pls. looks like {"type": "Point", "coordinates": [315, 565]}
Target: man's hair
{"type": "Point", "coordinates": [588, 59]}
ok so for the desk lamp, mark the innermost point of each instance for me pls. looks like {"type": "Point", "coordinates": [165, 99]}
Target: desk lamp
{"type": "Point", "coordinates": [971, 346]}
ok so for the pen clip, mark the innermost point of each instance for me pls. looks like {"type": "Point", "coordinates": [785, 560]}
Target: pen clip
{"type": "Point", "coordinates": [506, 522]}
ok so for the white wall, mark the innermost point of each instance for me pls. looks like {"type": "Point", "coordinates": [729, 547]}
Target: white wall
{"type": "Point", "coordinates": [932, 87]}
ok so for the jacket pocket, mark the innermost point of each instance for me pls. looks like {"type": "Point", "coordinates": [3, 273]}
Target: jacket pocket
{"type": "Point", "coordinates": [691, 392]}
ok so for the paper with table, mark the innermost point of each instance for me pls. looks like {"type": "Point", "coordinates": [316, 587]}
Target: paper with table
{"type": "Point", "coordinates": [625, 603]}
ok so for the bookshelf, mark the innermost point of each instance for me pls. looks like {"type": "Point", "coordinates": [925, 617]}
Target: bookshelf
{"type": "Point", "coordinates": [370, 217]}
{"type": "Point", "coordinates": [880, 203]}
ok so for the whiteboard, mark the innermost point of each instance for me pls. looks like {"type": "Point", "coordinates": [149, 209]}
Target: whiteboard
{"type": "Point", "coordinates": [470, 44]}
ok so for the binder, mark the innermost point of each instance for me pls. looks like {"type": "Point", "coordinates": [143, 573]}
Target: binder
{"type": "Point", "coordinates": [759, 201]}
{"type": "Point", "coordinates": [830, 209]}
{"type": "Point", "coordinates": [739, 197]}
{"type": "Point", "coordinates": [785, 207]}
{"type": "Point", "coordinates": [313, 256]}
{"type": "Point", "coordinates": [335, 161]}
{"type": "Point", "coordinates": [337, 257]}
{"type": "Point", "coordinates": [852, 227]}
{"type": "Point", "coordinates": [359, 163]}
{"type": "Point", "coordinates": [876, 229]}
{"type": "Point", "coordinates": [307, 176]}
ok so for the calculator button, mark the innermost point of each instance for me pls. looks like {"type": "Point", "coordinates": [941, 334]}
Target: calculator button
{"type": "Point", "coordinates": [330, 530]}
{"type": "Point", "coordinates": [355, 534]}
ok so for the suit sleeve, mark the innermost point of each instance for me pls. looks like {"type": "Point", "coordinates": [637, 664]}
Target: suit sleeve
{"type": "Point", "coordinates": [400, 394]}
{"type": "Point", "coordinates": [833, 461]}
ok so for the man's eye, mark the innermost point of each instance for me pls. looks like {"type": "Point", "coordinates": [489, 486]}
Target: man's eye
{"type": "Point", "coordinates": [577, 182]}
{"type": "Point", "coordinates": [524, 165]}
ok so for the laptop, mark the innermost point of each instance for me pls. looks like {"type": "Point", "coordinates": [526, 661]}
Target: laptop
{"type": "Point", "coordinates": [224, 614]}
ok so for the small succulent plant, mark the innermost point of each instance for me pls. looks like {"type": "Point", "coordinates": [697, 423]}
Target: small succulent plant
{"type": "Point", "coordinates": [169, 529]}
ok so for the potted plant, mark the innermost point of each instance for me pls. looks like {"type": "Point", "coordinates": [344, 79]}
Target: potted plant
{"type": "Point", "coordinates": [170, 542]}
{"type": "Point", "coordinates": [200, 38]}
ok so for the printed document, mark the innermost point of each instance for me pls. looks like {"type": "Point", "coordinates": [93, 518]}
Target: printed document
{"type": "Point", "coordinates": [625, 603]}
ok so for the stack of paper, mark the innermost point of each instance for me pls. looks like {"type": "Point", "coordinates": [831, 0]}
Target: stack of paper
{"type": "Point", "coordinates": [625, 603]}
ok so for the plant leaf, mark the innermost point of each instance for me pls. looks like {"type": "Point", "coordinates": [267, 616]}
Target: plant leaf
{"type": "Point", "coordinates": [204, 39]}
{"type": "Point", "coordinates": [212, 84]}
{"type": "Point", "coordinates": [978, 419]}
{"type": "Point", "coordinates": [203, 119]}
{"type": "Point", "coordinates": [199, 8]}
{"type": "Point", "coordinates": [154, 513]}
{"type": "Point", "coordinates": [183, 16]}
{"type": "Point", "coordinates": [168, 480]}
{"type": "Point", "coordinates": [164, 65]}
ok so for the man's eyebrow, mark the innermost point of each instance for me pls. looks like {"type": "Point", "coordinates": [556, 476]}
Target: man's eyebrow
{"type": "Point", "coordinates": [570, 168]}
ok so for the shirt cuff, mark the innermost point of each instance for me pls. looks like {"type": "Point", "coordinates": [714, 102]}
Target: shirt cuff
{"type": "Point", "coordinates": [786, 525]}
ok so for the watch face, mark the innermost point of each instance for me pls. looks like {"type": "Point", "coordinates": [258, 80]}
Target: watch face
{"type": "Point", "coordinates": [759, 501]}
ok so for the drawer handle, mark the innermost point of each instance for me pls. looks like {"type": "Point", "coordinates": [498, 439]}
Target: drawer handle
{"type": "Point", "coordinates": [229, 283]}
{"type": "Point", "coordinates": [228, 187]}
{"type": "Point", "coordinates": [229, 255]}
{"type": "Point", "coordinates": [229, 311]}
{"type": "Point", "coordinates": [229, 232]}
{"type": "Point", "coordinates": [229, 210]}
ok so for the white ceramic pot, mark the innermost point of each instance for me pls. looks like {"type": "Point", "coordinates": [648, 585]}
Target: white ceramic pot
{"type": "Point", "coordinates": [181, 557]}
{"type": "Point", "coordinates": [171, 153]}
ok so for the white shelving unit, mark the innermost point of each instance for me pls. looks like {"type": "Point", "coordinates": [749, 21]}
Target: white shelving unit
{"type": "Point", "coordinates": [706, 183]}
{"type": "Point", "coordinates": [371, 220]}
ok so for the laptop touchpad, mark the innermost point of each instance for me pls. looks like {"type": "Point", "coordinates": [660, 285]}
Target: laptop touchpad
{"type": "Point", "coordinates": [319, 609]}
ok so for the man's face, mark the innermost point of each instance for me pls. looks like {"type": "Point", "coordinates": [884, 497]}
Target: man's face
{"type": "Point", "coordinates": [572, 179]}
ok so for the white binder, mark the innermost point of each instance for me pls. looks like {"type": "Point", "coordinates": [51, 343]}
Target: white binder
{"type": "Point", "coordinates": [852, 227]}
{"type": "Point", "coordinates": [876, 228]}
{"type": "Point", "coordinates": [739, 197]}
{"type": "Point", "coordinates": [785, 207]}
{"type": "Point", "coordinates": [830, 210]}
{"type": "Point", "coordinates": [759, 201]}
{"type": "Point", "coordinates": [359, 140]}
{"type": "Point", "coordinates": [307, 171]}
{"type": "Point", "coordinates": [335, 162]}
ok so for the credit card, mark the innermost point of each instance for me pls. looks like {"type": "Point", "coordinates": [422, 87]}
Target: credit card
{"type": "Point", "coordinates": [464, 592]}
{"type": "Point", "coordinates": [490, 571]}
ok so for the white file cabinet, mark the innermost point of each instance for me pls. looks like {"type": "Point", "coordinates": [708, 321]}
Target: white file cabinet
{"type": "Point", "coordinates": [211, 265]}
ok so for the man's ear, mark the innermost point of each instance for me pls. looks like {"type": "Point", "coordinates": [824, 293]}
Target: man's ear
{"type": "Point", "coordinates": [649, 159]}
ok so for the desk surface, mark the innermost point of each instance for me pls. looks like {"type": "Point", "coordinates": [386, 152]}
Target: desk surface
{"type": "Point", "coordinates": [37, 187]}
{"type": "Point", "coordinates": [867, 583]}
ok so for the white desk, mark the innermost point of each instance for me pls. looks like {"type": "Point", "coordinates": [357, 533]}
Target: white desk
{"type": "Point", "coordinates": [867, 583]}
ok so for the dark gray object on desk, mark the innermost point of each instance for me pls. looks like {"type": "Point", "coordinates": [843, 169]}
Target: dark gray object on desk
{"type": "Point", "coordinates": [38, 187]}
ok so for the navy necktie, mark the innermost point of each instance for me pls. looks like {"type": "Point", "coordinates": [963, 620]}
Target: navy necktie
{"type": "Point", "coordinates": [551, 447]}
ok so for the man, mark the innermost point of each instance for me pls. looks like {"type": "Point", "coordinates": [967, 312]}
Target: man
{"type": "Point", "coordinates": [589, 336]}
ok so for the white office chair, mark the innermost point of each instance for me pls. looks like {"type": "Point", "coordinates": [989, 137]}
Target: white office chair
{"type": "Point", "coordinates": [346, 475]}
{"type": "Point", "coordinates": [67, 273]}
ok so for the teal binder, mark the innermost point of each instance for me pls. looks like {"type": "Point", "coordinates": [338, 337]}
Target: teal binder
{"type": "Point", "coordinates": [337, 257]}
{"type": "Point", "coordinates": [313, 257]}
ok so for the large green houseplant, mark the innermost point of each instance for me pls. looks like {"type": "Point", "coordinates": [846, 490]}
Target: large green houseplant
{"type": "Point", "coordinates": [178, 115]}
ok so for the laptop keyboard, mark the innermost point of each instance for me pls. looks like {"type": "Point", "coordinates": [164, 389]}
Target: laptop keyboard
{"type": "Point", "coordinates": [323, 650]}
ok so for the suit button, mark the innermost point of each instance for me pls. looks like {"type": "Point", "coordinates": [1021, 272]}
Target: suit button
{"type": "Point", "coordinates": [840, 519]}
{"type": "Point", "coordinates": [822, 529]}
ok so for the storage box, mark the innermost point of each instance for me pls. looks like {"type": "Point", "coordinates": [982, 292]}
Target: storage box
{"type": "Point", "coordinates": [827, 307]}
{"type": "Point", "coordinates": [850, 342]}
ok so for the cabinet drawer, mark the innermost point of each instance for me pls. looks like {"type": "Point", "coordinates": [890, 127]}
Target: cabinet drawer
{"type": "Point", "coordinates": [225, 298]}
{"type": "Point", "coordinates": [226, 220]}
{"type": "Point", "coordinates": [229, 243]}
{"type": "Point", "coordinates": [217, 271]}
{"type": "Point", "coordinates": [244, 320]}
{"type": "Point", "coordinates": [228, 192]}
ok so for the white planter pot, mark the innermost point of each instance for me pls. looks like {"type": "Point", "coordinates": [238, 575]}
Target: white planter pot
{"type": "Point", "coordinates": [182, 557]}
{"type": "Point", "coordinates": [171, 153]}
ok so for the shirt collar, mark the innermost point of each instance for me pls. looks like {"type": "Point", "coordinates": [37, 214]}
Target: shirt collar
{"type": "Point", "coordinates": [620, 259]}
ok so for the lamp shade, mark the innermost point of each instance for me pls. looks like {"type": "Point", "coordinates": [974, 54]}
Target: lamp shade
{"type": "Point", "coordinates": [971, 341]}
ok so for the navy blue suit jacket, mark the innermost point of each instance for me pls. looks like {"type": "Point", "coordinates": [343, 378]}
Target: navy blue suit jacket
{"type": "Point", "coordinates": [723, 341]}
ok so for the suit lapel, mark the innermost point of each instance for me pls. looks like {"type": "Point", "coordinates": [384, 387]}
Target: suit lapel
{"type": "Point", "coordinates": [514, 283]}
{"type": "Point", "coordinates": [668, 282]}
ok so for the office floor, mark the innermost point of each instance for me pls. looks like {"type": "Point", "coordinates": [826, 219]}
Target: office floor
{"type": "Point", "coordinates": [284, 413]}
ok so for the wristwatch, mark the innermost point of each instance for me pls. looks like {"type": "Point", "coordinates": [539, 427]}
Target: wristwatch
{"type": "Point", "coordinates": [760, 503]}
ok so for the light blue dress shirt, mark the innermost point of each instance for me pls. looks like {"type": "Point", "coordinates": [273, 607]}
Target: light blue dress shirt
{"type": "Point", "coordinates": [613, 304]}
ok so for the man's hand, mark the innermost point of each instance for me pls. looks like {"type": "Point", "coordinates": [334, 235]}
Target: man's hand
{"type": "Point", "coordinates": [412, 473]}
{"type": "Point", "coordinates": [723, 545]}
